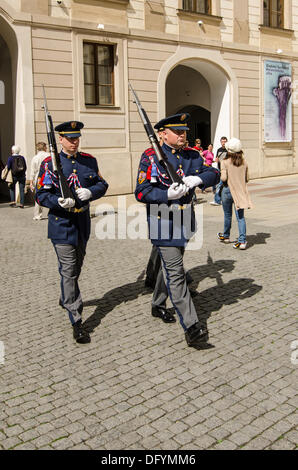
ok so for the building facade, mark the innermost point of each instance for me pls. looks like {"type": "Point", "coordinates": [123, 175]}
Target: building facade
{"type": "Point", "coordinates": [232, 64]}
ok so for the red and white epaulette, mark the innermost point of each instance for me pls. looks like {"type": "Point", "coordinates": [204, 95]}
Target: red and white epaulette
{"type": "Point", "coordinates": [46, 160]}
{"type": "Point", "coordinates": [86, 155]}
{"type": "Point", "coordinates": [149, 151]}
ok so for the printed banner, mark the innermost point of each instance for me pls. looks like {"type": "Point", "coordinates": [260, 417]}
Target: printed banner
{"type": "Point", "coordinates": [278, 101]}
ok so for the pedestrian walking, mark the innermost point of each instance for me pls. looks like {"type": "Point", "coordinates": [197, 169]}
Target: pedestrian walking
{"type": "Point", "coordinates": [234, 175]}
{"type": "Point", "coordinates": [17, 164]}
{"type": "Point", "coordinates": [69, 219]}
{"type": "Point", "coordinates": [220, 155]}
{"type": "Point", "coordinates": [41, 148]}
{"type": "Point", "coordinates": [208, 155]}
{"type": "Point", "coordinates": [171, 229]}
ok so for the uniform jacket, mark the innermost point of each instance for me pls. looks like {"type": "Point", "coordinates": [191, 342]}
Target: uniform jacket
{"type": "Point", "coordinates": [65, 227]}
{"type": "Point", "coordinates": [174, 226]}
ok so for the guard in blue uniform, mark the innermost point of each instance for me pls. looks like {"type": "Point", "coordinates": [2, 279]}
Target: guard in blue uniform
{"type": "Point", "coordinates": [171, 220]}
{"type": "Point", "coordinates": [69, 219]}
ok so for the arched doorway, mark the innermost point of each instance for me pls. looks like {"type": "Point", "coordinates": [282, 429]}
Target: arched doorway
{"type": "Point", "coordinates": [7, 121]}
{"type": "Point", "coordinates": [201, 88]}
{"type": "Point", "coordinates": [199, 125]}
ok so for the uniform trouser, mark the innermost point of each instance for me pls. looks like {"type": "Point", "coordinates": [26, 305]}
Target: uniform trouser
{"type": "Point", "coordinates": [70, 261]}
{"type": "Point", "coordinates": [153, 265]}
{"type": "Point", "coordinates": [171, 281]}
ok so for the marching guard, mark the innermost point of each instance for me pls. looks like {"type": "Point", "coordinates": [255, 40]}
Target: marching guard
{"type": "Point", "coordinates": [171, 230]}
{"type": "Point", "coordinates": [69, 218]}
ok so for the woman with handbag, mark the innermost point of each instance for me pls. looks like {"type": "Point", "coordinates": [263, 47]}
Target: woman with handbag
{"type": "Point", "coordinates": [17, 164]}
{"type": "Point", "coordinates": [234, 175]}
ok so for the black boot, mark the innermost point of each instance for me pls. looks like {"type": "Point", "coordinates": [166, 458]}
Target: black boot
{"type": "Point", "coordinates": [196, 336]}
{"type": "Point", "coordinates": [79, 334]}
{"type": "Point", "coordinates": [164, 314]}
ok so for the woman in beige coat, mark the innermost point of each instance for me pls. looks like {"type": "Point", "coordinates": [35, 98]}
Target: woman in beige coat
{"type": "Point", "coordinates": [234, 175]}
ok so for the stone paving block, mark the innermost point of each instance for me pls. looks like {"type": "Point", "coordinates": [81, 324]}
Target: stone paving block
{"type": "Point", "coordinates": [10, 442]}
{"type": "Point", "coordinates": [30, 434]}
{"type": "Point", "coordinates": [86, 447]}
{"type": "Point", "coordinates": [62, 444]}
{"type": "Point", "coordinates": [131, 438]}
{"type": "Point", "coordinates": [219, 433]}
{"type": "Point", "coordinates": [259, 443]}
{"type": "Point", "coordinates": [25, 446]}
{"type": "Point", "coordinates": [283, 426]}
{"type": "Point", "coordinates": [205, 441]}
{"type": "Point", "coordinates": [199, 430]}
{"type": "Point", "coordinates": [13, 431]}
{"type": "Point", "coordinates": [292, 436]}
{"type": "Point", "coordinates": [183, 438]}
{"type": "Point", "coordinates": [226, 444]}
{"type": "Point", "coordinates": [79, 436]}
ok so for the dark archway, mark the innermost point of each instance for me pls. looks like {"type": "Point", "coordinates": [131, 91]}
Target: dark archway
{"type": "Point", "coordinates": [7, 126]}
{"type": "Point", "coordinates": [199, 125]}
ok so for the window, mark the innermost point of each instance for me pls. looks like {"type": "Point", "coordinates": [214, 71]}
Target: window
{"type": "Point", "coordinates": [273, 13]}
{"type": "Point", "coordinates": [98, 74]}
{"type": "Point", "coordinates": [197, 6]}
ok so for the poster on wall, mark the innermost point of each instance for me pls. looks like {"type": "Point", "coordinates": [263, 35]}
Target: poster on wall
{"type": "Point", "coordinates": [278, 102]}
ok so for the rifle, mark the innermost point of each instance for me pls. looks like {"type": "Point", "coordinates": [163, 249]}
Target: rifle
{"type": "Point", "coordinates": [162, 158]}
{"type": "Point", "coordinates": [56, 162]}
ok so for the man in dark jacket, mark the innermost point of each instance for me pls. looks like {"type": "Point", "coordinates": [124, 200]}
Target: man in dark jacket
{"type": "Point", "coordinates": [17, 164]}
{"type": "Point", "coordinates": [69, 219]}
{"type": "Point", "coordinates": [171, 220]}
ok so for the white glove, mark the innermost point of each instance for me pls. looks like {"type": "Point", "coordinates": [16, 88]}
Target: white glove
{"type": "Point", "coordinates": [83, 194]}
{"type": "Point", "coordinates": [176, 191]}
{"type": "Point", "coordinates": [66, 203]}
{"type": "Point", "coordinates": [192, 181]}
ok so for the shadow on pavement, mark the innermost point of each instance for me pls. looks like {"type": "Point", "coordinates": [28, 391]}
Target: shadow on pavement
{"type": "Point", "coordinates": [112, 299]}
{"type": "Point", "coordinates": [206, 302]}
{"type": "Point", "coordinates": [257, 239]}
{"type": "Point", "coordinates": [213, 299]}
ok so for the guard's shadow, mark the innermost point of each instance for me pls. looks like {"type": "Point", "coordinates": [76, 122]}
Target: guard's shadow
{"type": "Point", "coordinates": [214, 298]}
{"type": "Point", "coordinates": [206, 302]}
{"type": "Point", "coordinates": [112, 299]}
{"type": "Point", "coordinates": [222, 293]}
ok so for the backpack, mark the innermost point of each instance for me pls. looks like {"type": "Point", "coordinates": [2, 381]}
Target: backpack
{"type": "Point", "coordinates": [18, 165]}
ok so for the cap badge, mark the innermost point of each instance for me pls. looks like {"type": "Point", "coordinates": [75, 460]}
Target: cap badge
{"type": "Point", "coordinates": [183, 117]}
{"type": "Point", "coordinates": [73, 125]}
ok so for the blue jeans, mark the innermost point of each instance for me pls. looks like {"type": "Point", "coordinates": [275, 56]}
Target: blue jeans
{"type": "Point", "coordinates": [217, 195]}
{"type": "Point", "coordinates": [227, 204]}
{"type": "Point", "coordinates": [21, 180]}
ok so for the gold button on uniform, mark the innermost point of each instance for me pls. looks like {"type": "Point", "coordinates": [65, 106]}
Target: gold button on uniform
{"type": "Point", "coordinates": [74, 170]}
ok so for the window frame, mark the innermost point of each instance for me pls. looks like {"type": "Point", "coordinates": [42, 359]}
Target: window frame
{"type": "Point", "coordinates": [208, 10]}
{"type": "Point", "coordinates": [277, 13]}
{"type": "Point", "coordinates": [112, 48]}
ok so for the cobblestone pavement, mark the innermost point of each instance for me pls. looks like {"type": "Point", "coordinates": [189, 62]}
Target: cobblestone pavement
{"type": "Point", "coordinates": [137, 385]}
